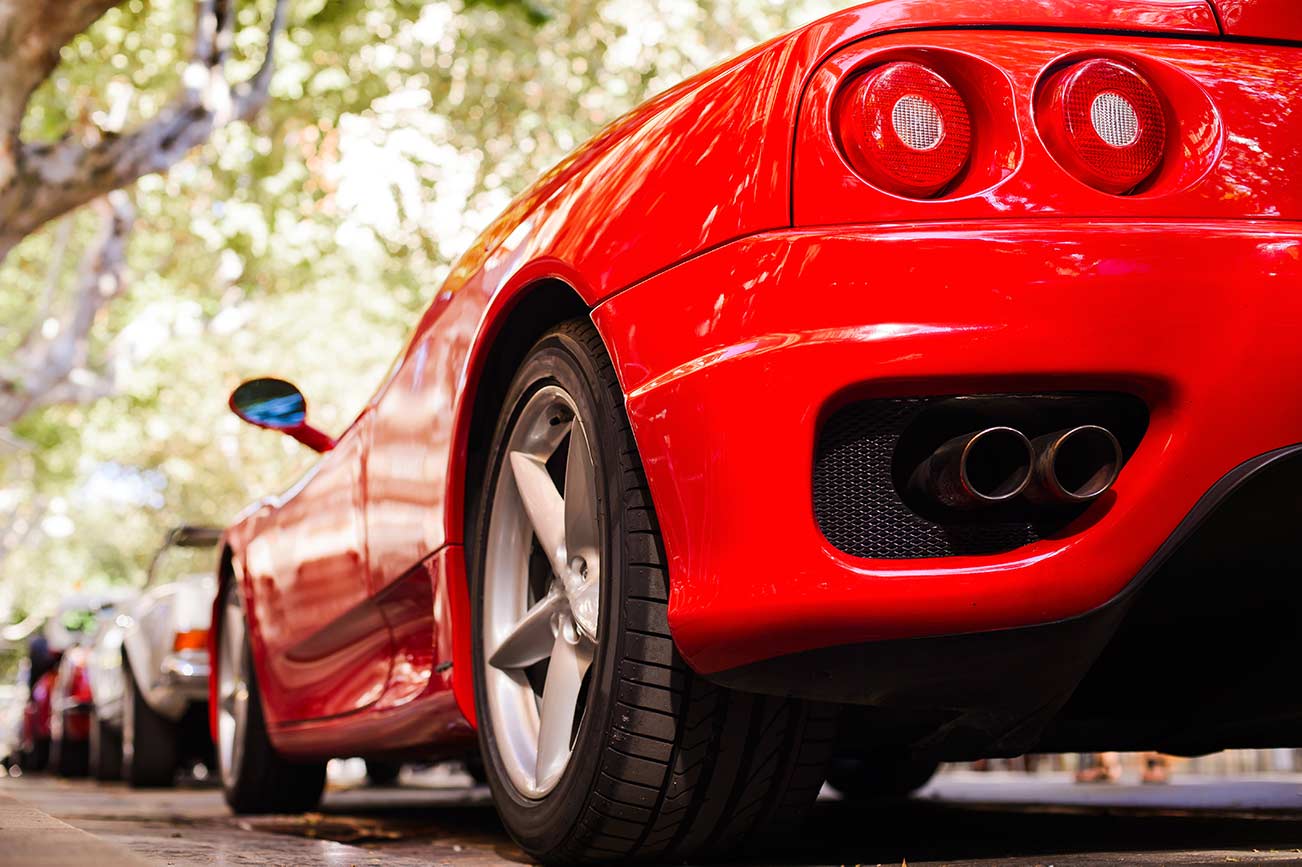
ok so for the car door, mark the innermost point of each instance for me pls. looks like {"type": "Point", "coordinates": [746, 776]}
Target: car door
{"type": "Point", "coordinates": [328, 649]}
{"type": "Point", "coordinates": [409, 461]}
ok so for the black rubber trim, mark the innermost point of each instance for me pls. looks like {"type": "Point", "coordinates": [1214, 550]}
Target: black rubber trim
{"type": "Point", "coordinates": [1198, 515]}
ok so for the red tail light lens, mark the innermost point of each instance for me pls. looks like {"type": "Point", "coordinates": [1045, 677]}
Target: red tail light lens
{"type": "Point", "coordinates": [905, 129]}
{"type": "Point", "coordinates": [80, 686]}
{"type": "Point", "coordinates": [1105, 124]}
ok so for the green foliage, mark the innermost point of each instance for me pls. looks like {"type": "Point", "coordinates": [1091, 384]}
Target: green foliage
{"type": "Point", "coordinates": [306, 244]}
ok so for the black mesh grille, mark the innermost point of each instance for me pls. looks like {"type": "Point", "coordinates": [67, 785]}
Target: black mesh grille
{"type": "Point", "coordinates": [857, 506]}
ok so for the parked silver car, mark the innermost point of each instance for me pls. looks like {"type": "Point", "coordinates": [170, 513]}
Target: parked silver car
{"type": "Point", "coordinates": [149, 668]}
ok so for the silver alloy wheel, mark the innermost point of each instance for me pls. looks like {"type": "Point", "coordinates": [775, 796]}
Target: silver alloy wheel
{"type": "Point", "coordinates": [232, 688]}
{"type": "Point", "coordinates": [526, 624]}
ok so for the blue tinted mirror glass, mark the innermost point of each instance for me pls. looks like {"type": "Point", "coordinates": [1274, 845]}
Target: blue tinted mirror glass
{"type": "Point", "coordinates": [271, 403]}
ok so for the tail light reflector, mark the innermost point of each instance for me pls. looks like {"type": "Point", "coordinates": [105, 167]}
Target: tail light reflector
{"type": "Point", "coordinates": [1105, 124]}
{"type": "Point", "coordinates": [905, 129]}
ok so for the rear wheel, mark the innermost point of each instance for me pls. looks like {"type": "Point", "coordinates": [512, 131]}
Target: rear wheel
{"type": "Point", "coordinates": [37, 758]}
{"type": "Point", "coordinates": [105, 750]}
{"type": "Point", "coordinates": [255, 779]}
{"type": "Point", "coordinates": [599, 743]}
{"type": "Point", "coordinates": [69, 758]}
{"type": "Point", "coordinates": [149, 739]}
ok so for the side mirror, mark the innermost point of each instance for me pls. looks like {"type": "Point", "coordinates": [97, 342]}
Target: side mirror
{"type": "Point", "coordinates": [278, 405]}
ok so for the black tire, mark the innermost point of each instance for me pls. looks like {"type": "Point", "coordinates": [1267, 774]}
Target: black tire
{"type": "Point", "coordinates": [69, 758]}
{"type": "Point", "coordinates": [105, 750]}
{"type": "Point", "coordinates": [382, 773]}
{"type": "Point", "coordinates": [262, 781]}
{"type": "Point", "coordinates": [665, 765]}
{"type": "Point", "coordinates": [149, 739]}
{"type": "Point", "coordinates": [474, 767]}
{"type": "Point", "coordinates": [879, 776]}
{"type": "Point", "coordinates": [37, 758]}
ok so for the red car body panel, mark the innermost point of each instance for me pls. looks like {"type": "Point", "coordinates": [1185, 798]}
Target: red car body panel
{"type": "Point", "coordinates": [36, 714]}
{"type": "Point", "coordinates": [772, 366]}
{"type": "Point", "coordinates": [353, 581]}
{"type": "Point", "coordinates": [1261, 19]}
{"type": "Point", "coordinates": [70, 698]}
{"type": "Point", "coordinates": [1212, 88]}
{"type": "Point", "coordinates": [417, 710]}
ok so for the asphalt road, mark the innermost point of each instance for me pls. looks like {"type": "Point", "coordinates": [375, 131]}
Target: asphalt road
{"type": "Point", "coordinates": [963, 818]}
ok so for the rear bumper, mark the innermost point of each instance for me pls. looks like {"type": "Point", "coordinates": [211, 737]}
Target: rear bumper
{"type": "Point", "coordinates": [732, 359]}
{"type": "Point", "coordinates": [184, 676]}
{"type": "Point", "coordinates": [1173, 663]}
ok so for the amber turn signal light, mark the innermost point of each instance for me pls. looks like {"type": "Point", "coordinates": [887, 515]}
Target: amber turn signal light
{"type": "Point", "coordinates": [194, 639]}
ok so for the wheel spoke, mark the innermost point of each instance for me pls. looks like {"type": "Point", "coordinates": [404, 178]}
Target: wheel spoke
{"type": "Point", "coordinates": [531, 639]}
{"type": "Point", "coordinates": [585, 602]}
{"type": "Point", "coordinates": [560, 698]}
{"type": "Point", "coordinates": [544, 506]}
{"type": "Point", "coordinates": [233, 641]}
{"type": "Point", "coordinates": [581, 528]}
{"type": "Point", "coordinates": [232, 690]}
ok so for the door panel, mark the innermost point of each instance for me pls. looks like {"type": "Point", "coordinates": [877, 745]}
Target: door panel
{"type": "Point", "coordinates": [328, 650]}
{"type": "Point", "coordinates": [411, 444]}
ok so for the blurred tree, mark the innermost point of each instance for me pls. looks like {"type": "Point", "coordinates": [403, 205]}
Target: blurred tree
{"type": "Point", "coordinates": [41, 180]}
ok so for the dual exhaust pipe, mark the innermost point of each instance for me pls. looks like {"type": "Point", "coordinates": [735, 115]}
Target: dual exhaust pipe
{"type": "Point", "coordinates": [997, 464]}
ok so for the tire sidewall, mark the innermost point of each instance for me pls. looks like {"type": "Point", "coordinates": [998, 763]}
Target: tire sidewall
{"type": "Point", "coordinates": [546, 823]}
{"type": "Point", "coordinates": [129, 708]}
{"type": "Point", "coordinates": [95, 746]}
{"type": "Point", "coordinates": [231, 783]}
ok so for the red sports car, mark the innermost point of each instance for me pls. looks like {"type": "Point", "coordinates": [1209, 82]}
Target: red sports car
{"type": "Point", "coordinates": [932, 370]}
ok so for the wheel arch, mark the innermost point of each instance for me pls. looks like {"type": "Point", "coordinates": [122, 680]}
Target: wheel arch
{"type": "Point", "coordinates": [506, 338]}
{"type": "Point", "coordinates": [534, 310]}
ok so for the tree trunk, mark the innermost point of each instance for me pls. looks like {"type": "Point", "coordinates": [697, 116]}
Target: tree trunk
{"type": "Point", "coordinates": [42, 181]}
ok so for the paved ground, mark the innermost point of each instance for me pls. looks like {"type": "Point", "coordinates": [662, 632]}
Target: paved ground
{"type": "Point", "coordinates": [964, 818]}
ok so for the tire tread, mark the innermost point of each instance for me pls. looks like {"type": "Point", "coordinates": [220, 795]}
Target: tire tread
{"type": "Point", "coordinates": [696, 768]}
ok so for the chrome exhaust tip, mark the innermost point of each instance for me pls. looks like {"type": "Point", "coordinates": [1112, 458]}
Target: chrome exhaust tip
{"type": "Point", "coordinates": [1075, 466]}
{"type": "Point", "coordinates": [981, 468]}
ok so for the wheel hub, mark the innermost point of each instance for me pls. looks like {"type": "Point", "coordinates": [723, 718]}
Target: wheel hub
{"type": "Point", "coordinates": [534, 728]}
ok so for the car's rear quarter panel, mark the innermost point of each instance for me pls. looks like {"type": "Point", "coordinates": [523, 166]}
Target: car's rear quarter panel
{"type": "Point", "coordinates": [1184, 296]}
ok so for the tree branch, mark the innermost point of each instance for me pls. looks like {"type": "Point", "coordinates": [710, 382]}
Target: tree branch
{"type": "Point", "coordinates": [48, 180]}
{"type": "Point", "coordinates": [251, 96]}
{"type": "Point", "coordinates": [31, 35]}
{"type": "Point", "coordinates": [54, 370]}
{"type": "Point", "coordinates": [53, 273]}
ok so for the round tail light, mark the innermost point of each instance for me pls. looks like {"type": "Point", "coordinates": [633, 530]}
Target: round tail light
{"type": "Point", "coordinates": [1105, 124]}
{"type": "Point", "coordinates": [905, 129]}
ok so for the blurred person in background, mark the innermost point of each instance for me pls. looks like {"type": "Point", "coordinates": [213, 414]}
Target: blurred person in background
{"type": "Point", "coordinates": [1106, 768]}
{"type": "Point", "coordinates": [40, 658]}
{"type": "Point", "coordinates": [1157, 768]}
{"type": "Point", "coordinates": [1099, 768]}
